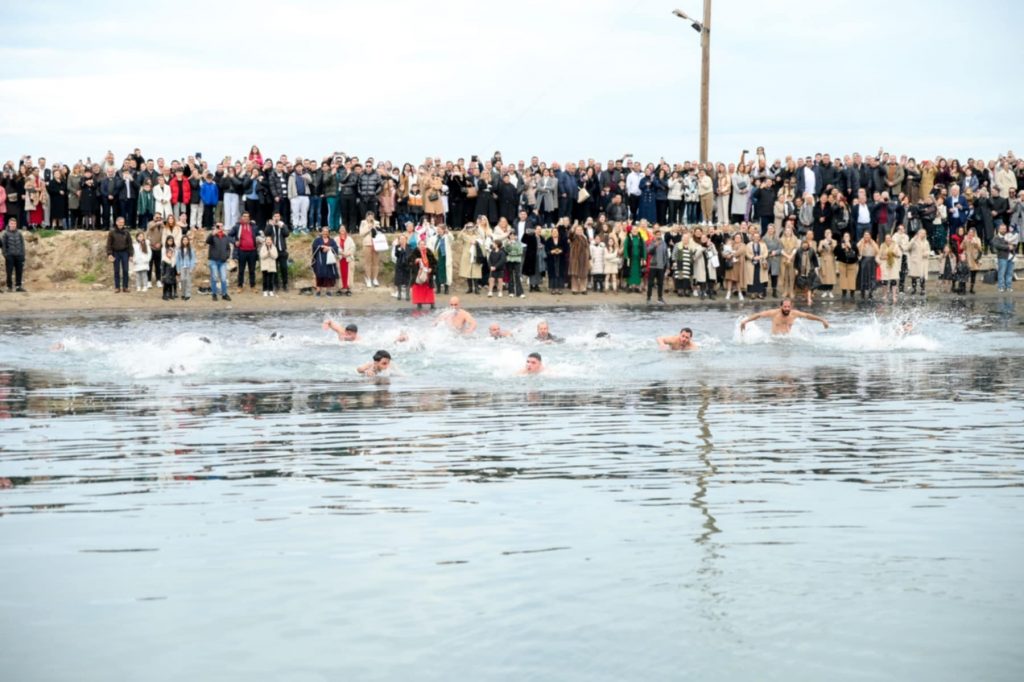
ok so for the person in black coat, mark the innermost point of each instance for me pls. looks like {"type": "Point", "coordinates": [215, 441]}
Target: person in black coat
{"type": "Point", "coordinates": [486, 200]}
{"type": "Point", "coordinates": [508, 199]}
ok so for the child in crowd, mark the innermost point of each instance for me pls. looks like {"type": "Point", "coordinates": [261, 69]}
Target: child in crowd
{"type": "Point", "coordinates": [963, 273]}
{"type": "Point", "coordinates": [268, 265]}
{"type": "Point", "coordinates": [169, 271]}
{"type": "Point", "coordinates": [186, 264]}
{"type": "Point", "coordinates": [947, 269]}
{"type": "Point", "coordinates": [496, 261]}
{"type": "Point", "coordinates": [141, 256]}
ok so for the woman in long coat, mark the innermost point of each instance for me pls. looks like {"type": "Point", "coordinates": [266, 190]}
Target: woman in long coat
{"type": "Point", "coordinates": [867, 249]}
{"type": "Point", "coordinates": [890, 257]}
{"type": "Point", "coordinates": [534, 259]}
{"type": "Point", "coordinates": [740, 194]}
{"type": "Point", "coordinates": [325, 262]}
{"type": "Point", "coordinates": [556, 247]}
{"type": "Point", "coordinates": [486, 200]}
{"type": "Point", "coordinates": [972, 248]}
{"type": "Point", "coordinates": [547, 196]}
{"type": "Point", "coordinates": [648, 209]}
{"type": "Point", "coordinates": [736, 274]}
{"type": "Point", "coordinates": [470, 267]}
{"type": "Point", "coordinates": [917, 260]}
{"type": "Point", "coordinates": [774, 246]}
{"type": "Point", "coordinates": [827, 264]}
{"type": "Point", "coordinates": [634, 254]}
{"type": "Point", "coordinates": [805, 265]}
{"type": "Point", "coordinates": [433, 206]}
{"type": "Point", "coordinates": [579, 260]}
{"type": "Point", "coordinates": [756, 265]}
{"type": "Point", "coordinates": [787, 273]}
{"type": "Point", "coordinates": [421, 265]}
{"type": "Point", "coordinates": [57, 188]}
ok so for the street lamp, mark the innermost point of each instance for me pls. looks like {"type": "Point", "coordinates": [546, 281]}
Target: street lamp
{"type": "Point", "coordinates": [704, 29]}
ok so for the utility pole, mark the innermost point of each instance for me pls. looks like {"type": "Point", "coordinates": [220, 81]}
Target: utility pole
{"type": "Point", "coordinates": [704, 28]}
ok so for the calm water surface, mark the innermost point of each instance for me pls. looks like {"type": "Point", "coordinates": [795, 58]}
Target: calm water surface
{"type": "Point", "coordinates": [840, 505]}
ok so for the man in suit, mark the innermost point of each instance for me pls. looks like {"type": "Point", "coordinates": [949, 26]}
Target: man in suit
{"type": "Point", "coordinates": [956, 208]}
{"type": "Point", "coordinates": [568, 190]}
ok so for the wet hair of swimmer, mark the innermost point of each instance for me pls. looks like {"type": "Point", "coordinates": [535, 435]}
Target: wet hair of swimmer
{"type": "Point", "coordinates": [535, 356]}
{"type": "Point", "coordinates": [687, 330]}
{"type": "Point", "coordinates": [380, 355]}
{"type": "Point", "coordinates": [352, 328]}
{"type": "Point", "coordinates": [603, 335]}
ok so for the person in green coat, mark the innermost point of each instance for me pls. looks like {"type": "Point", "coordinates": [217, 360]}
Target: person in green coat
{"type": "Point", "coordinates": [635, 254]}
{"type": "Point", "coordinates": [146, 205]}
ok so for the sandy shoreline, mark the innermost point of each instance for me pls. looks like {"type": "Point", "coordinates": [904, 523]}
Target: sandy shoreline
{"type": "Point", "coordinates": [68, 304]}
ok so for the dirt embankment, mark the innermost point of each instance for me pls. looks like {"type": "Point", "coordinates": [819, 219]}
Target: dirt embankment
{"type": "Point", "coordinates": [68, 272]}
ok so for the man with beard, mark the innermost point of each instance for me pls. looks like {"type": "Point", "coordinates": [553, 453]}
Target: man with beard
{"type": "Point", "coordinates": [782, 318]}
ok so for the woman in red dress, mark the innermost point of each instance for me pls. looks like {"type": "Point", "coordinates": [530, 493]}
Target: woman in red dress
{"type": "Point", "coordinates": [421, 270]}
{"type": "Point", "coordinates": [35, 198]}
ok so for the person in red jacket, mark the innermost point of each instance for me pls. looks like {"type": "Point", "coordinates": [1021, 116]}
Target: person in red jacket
{"type": "Point", "coordinates": [243, 236]}
{"type": "Point", "coordinates": [181, 193]}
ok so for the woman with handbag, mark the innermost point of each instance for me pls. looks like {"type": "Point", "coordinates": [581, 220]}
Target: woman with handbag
{"type": "Point", "coordinates": [433, 207]}
{"type": "Point", "coordinates": [422, 264]}
{"type": "Point", "coordinates": [325, 260]}
{"type": "Point", "coordinates": [346, 261]}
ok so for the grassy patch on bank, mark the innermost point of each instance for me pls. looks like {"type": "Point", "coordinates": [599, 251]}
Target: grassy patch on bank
{"type": "Point", "coordinates": [46, 234]}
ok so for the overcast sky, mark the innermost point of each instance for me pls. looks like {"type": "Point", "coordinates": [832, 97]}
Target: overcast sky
{"type": "Point", "coordinates": [401, 79]}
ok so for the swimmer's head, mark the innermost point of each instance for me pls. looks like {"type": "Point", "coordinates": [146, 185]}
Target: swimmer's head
{"type": "Point", "coordinates": [351, 332]}
{"type": "Point", "coordinates": [786, 307]}
{"type": "Point", "coordinates": [685, 334]}
{"type": "Point", "coordinates": [543, 331]}
{"type": "Point", "coordinates": [534, 363]}
{"type": "Point", "coordinates": [453, 301]}
{"type": "Point", "coordinates": [495, 330]}
{"type": "Point", "coordinates": [602, 335]}
{"type": "Point", "coordinates": [381, 360]}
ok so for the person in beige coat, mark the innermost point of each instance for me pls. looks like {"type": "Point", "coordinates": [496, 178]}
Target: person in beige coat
{"type": "Point", "coordinates": [890, 257]}
{"type": "Point", "coordinates": [368, 229]}
{"type": "Point", "coordinates": [917, 260]}
{"type": "Point", "coordinates": [787, 274]}
{"type": "Point", "coordinates": [433, 207]}
{"type": "Point", "coordinates": [735, 253]}
{"type": "Point", "coordinates": [471, 243]}
{"type": "Point", "coordinates": [827, 264]}
{"type": "Point", "coordinates": [268, 265]}
{"type": "Point", "coordinates": [972, 249]}
{"type": "Point", "coordinates": [756, 265]}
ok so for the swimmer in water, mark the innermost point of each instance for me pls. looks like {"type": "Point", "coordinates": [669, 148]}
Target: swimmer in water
{"type": "Point", "coordinates": [684, 341]}
{"type": "Point", "coordinates": [534, 365]}
{"type": "Point", "coordinates": [349, 332]}
{"type": "Point", "coordinates": [906, 327]}
{"type": "Point", "coordinates": [782, 318]}
{"type": "Point", "coordinates": [380, 364]}
{"type": "Point", "coordinates": [458, 319]}
{"type": "Point", "coordinates": [544, 334]}
{"type": "Point", "coordinates": [497, 332]}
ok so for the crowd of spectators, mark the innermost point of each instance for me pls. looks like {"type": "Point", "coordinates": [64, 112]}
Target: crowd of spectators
{"type": "Point", "coordinates": [613, 211]}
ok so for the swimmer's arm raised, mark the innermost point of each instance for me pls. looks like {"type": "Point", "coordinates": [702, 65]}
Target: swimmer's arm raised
{"type": "Point", "coordinates": [812, 317]}
{"type": "Point", "coordinates": [334, 327]}
{"type": "Point", "coordinates": [756, 316]}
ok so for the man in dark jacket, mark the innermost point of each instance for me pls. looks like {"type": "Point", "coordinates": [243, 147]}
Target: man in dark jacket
{"type": "Point", "coordinates": [219, 253]}
{"type": "Point", "coordinates": [348, 195]}
{"type": "Point", "coordinates": [243, 238]}
{"type": "Point", "coordinates": [369, 185]}
{"type": "Point", "coordinates": [127, 198]}
{"type": "Point", "coordinates": [12, 244]}
{"type": "Point", "coordinates": [568, 190]}
{"type": "Point", "coordinates": [119, 250]}
{"type": "Point", "coordinates": [278, 231]}
{"type": "Point", "coordinates": [764, 199]}
{"type": "Point", "coordinates": [279, 190]}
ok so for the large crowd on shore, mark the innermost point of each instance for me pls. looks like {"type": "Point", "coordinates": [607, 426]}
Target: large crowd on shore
{"type": "Point", "coordinates": [757, 227]}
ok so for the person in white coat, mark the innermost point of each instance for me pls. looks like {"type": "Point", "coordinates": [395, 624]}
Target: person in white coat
{"type": "Point", "coordinates": [141, 256]}
{"type": "Point", "coordinates": [162, 198]}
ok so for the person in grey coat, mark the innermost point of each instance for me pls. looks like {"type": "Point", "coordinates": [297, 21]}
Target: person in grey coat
{"type": "Point", "coordinates": [547, 197]}
{"type": "Point", "coordinates": [774, 246]}
{"type": "Point", "coordinates": [657, 250]}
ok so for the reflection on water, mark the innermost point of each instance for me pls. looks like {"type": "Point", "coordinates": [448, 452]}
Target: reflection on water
{"type": "Point", "coordinates": [839, 506]}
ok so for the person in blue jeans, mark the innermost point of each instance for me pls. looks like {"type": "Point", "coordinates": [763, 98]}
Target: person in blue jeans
{"type": "Point", "coordinates": [119, 250]}
{"type": "Point", "coordinates": [1004, 259]}
{"type": "Point", "coordinates": [219, 253]}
